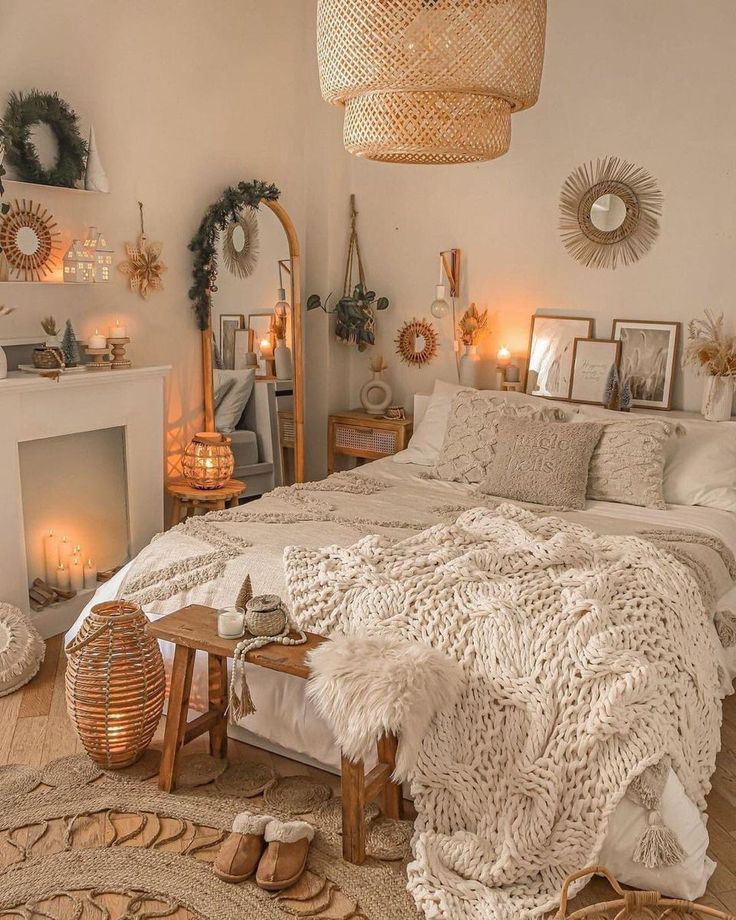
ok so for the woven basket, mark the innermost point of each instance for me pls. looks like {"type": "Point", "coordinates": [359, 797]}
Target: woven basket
{"type": "Point", "coordinates": [115, 684]}
{"type": "Point", "coordinates": [430, 83]}
{"type": "Point", "coordinates": [637, 905]}
{"type": "Point", "coordinates": [48, 358]}
{"type": "Point", "coordinates": [265, 615]}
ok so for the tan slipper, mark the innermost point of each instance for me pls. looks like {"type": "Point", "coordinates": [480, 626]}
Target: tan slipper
{"type": "Point", "coordinates": [285, 858]}
{"type": "Point", "coordinates": [240, 854]}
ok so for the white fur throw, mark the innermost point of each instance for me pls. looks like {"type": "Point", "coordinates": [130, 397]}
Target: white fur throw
{"type": "Point", "coordinates": [585, 660]}
{"type": "Point", "coordinates": [365, 687]}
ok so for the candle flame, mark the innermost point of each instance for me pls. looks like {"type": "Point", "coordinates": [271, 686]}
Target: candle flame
{"type": "Point", "coordinates": [503, 353]}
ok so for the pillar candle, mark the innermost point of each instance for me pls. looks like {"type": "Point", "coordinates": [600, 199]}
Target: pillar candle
{"type": "Point", "coordinates": [90, 574]}
{"type": "Point", "coordinates": [117, 331]}
{"type": "Point", "coordinates": [66, 550]}
{"type": "Point", "coordinates": [63, 579]}
{"type": "Point", "coordinates": [76, 574]}
{"type": "Point", "coordinates": [512, 373]}
{"type": "Point", "coordinates": [51, 556]}
{"type": "Point", "coordinates": [97, 340]}
{"type": "Point", "coordinates": [500, 378]}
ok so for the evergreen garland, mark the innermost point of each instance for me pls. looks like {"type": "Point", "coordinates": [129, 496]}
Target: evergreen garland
{"type": "Point", "coordinates": [22, 113]}
{"type": "Point", "coordinates": [204, 243]}
{"type": "Point", "coordinates": [4, 206]}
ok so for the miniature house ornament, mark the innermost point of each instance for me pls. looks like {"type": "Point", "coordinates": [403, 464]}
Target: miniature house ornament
{"type": "Point", "coordinates": [89, 260]}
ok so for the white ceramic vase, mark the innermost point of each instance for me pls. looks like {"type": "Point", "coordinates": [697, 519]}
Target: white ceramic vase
{"type": "Point", "coordinates": [375, 395]}
{"type": "Point", "coordinates": [470, 365]}
{"type": "Point", "coordinates": [3, 364]}
{"type": "Point", "coordinates": [718, 398]}
{"type": "Point", "coordinates": [282, 357]}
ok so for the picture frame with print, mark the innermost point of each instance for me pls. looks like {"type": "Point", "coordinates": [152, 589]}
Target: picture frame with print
{"type": "Point", "coordinates": [229, 324]}
{"type": "Point", "coordinates": [592, 360]}
{"type": "Point", "coordinates": [551, 343]}
{"type": "Point", "coordinates": [649, 350]}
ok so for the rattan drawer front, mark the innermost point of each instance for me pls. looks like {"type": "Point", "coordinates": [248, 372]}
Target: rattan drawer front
{"type": "Point", "coordinates": [372, 440]}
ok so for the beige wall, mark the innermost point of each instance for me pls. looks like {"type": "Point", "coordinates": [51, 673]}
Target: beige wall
{"type": "Point", "coordinates": [651, 82]}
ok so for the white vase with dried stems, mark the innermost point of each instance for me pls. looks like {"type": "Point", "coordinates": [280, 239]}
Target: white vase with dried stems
{"type": "Point", "coordinates": [472, 324]}
{"type": "Point", "coordinates": [375, 394]}
{"type": "Point", "coordinates": [4, 311]}
{"type": "Point", "coordinates": [713, 353]}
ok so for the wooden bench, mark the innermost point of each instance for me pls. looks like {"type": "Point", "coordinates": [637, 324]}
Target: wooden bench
{"type": "Point", "coordinates": [194, 629]}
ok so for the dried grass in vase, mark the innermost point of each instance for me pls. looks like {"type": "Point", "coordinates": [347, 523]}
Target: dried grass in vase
{"type": "Point", "coordinates": [471, 324]}
{"type": "Point", "coordinates": [709, 349]}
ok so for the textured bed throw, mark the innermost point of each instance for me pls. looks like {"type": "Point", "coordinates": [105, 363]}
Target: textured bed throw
{"type": "Point", "coordinates": [585, 661]}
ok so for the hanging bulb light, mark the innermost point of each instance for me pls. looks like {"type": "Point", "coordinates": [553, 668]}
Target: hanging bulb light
{"type": "Point", "coordinates": [282, 305]}
{"type": "Point", "coordinates": [440, 307]}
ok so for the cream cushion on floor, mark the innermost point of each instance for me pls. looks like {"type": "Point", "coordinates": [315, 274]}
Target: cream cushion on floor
{"type": "Point", "coordinates": [21, 649]}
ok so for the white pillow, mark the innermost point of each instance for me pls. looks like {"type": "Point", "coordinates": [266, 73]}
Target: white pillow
{"type": "Point", "coordinates": [688, 879]}
{"type": "Point", "coordinates": [428, 437]}
{"type": "Point", "coordinates": [235, 397]}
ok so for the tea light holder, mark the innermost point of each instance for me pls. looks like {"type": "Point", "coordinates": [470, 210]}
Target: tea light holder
{"type": "Point", "coordinates": [119, 361]}
{"type": "Point", "coordinates": [230, 622]}
{"type": "Point", "coordinates": [98, 362]}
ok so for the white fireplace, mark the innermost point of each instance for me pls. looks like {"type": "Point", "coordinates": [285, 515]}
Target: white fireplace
{"type": "Point", "coordinates": [128, 405]}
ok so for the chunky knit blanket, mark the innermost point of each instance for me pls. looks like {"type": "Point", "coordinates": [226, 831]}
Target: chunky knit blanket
{"type": "Point", "coordinates": [586, 661]}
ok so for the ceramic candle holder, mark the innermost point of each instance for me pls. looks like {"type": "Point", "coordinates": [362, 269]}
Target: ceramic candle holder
{"type": "Point", "coordinates": [230, 622]}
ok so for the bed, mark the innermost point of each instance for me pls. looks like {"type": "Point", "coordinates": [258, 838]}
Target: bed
{"type": "Point", "coordinates": [393, 497]}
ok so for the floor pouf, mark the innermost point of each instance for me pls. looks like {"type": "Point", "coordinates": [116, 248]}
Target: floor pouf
{"type": "Point", "coordinates": [21, 649]}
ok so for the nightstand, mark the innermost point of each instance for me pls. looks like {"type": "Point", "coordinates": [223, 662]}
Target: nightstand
{"type": "Point", "coordinates": [366, 437]}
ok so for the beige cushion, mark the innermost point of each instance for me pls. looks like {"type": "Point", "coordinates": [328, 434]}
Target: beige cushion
{"type": "Point", "coordinates": [542, 462]}
{"type": "Point", "coordinates": [234, 389]}
{"type": "Point", "coordinates": [628, 464]}
{"type": "Point", "coordinates": [470, 437]}
{"type": "Point", "coordinates": [21, 649]}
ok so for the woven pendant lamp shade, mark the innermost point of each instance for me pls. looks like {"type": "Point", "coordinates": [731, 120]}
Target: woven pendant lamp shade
{"type": "Point", "coordinates": [115, 684]}
{"type": "Point", "coordinates": [208, 461]}
{"type": "Point", "coordinates": [430, 81]}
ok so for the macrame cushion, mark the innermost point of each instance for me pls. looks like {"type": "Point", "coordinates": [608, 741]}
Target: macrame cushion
{"type": "Point", "coordinates": [21, 649]}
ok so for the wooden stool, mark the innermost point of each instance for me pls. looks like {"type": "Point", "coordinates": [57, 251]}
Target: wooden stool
{"type": "Point", "coordinates": [193, 629]}
{"type": "Point", "coordinates": [187, 499]}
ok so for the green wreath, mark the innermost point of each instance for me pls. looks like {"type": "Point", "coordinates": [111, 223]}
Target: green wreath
{"type": "Point", "coordinates": [204, 244]}
{"type": "Point", "coordinates": [27, 110]}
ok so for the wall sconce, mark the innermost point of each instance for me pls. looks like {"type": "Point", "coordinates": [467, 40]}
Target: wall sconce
{"type": "Point", "coordinates": [450, 261]}
{"type": "Point", "coordinates": [282, 306]}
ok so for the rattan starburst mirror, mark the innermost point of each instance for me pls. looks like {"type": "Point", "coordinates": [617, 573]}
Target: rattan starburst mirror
{"type": "Point", "coordinates": [609, 213]}
{"type": "Point", "coordinates": [29, 239]}
{"type": "Point", "coordinates": [417, 342]}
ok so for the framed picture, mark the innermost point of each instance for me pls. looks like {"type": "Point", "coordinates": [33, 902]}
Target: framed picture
{"type": "Point", "coordinates": [592, 360]}
{"type": "Point", "coordinates": [229, 323]}
{"type": "Point", "coordinates": [551, 344]}
{"type": "Point", "coordinates": [243, 345]}
{"type": "Point", "coordinates": [648, 356]}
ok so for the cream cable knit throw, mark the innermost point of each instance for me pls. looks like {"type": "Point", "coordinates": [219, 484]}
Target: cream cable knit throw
{"type": "Point", "coordinates": [586, 661]}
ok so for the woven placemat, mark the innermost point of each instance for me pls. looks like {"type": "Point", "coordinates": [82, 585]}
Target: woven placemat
{"type": "Point", "coordinates": [296, 795]}
{"type": "Point", "coordinates": [143, 769]}
{"type": "Point", "coordinates": [74, 769]}
{"type": "Point", "coordinates": [245, 780]}
{"type": "Point", "coordinates": [17, 779]}
{"type": "Point", "coordinates": [329, 815]}
{"type": "Point", "coordinates": [388, 839]}
{"type": "Point", "coordinates": [199, 770]}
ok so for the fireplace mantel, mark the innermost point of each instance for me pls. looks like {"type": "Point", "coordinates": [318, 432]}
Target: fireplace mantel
{"type": "Point", "coordinates": [34, 407]}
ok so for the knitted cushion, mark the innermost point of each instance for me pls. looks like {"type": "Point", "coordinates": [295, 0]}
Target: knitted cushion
{"type": "Point", "coordinates": [21, 649]}
{"type": "Point", "coordinates": [542, 462]}
{"type": "Point", "coordinates": [470, 438]}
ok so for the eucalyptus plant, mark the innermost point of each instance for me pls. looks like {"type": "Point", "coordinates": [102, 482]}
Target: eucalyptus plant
{"type": "Point", "coordinates": [354, 319]}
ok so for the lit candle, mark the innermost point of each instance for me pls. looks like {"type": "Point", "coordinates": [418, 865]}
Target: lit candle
{"type": "Point", "coordinates": [63, 579]}
{"type": "Point", "coordinates": [66, 550]}
{"type": "Point", "coordinates": [231, 622]}
{"type": "Point", "coordinates": [51, 556]}
{"type": "Point", "coordinates": [97, 340]}
{"type": "Point", "coordinates": [90, 574]}
{"type": "Point", "coordinates": [266, 348]}
{"type": "Point", "coordinates": [118, 332]}
{"type": "Point", "coordinates": [504, 355]}
{"type": "Point", "coordinates": [76, 574]}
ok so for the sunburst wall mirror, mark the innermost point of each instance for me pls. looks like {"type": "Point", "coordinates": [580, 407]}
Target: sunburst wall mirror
{"type": "Point", "coordinates": [30, 241]}
{"type": "Point", "coordinates": [417, 342]}
{"type": "Point", "coordinates": [609, 213]}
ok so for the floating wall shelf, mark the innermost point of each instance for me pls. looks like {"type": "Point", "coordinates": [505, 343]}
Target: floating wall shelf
{"type": "Point", "coordinates": [59, 188]}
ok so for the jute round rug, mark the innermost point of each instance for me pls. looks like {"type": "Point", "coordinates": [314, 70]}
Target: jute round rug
{"type": "Point", "coordinates": [78, 843]}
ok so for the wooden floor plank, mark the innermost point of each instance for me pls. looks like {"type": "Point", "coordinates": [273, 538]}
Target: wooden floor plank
{"type": "Point", "coordinates": [37, 695]}
{"type": "Point", "coordinates": [28, 741]}
{"type": "Point", "coordinates": [722, 846]}
{"type": "Point", "coordinates": [61, 738]}
{"type": "Point", "coordinates": [9, 708]}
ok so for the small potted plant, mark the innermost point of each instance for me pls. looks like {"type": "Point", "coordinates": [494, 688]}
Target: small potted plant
{"type": "Point", "coordinates": [48, 356]}
{"type": "Point", "coordinates": [472, 324]}
{"type": "Point", "coordinates": [713, 353]}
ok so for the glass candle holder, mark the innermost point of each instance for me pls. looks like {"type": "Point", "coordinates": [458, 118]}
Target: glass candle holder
{"type": "Point", "coordinates": [230, 622]}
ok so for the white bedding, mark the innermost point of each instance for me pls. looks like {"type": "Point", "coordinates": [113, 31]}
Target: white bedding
{"type": "Point", "coordinates": [284, 720]}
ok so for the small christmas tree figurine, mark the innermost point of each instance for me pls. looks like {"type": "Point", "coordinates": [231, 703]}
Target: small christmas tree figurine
{"type": "Point", "coordinates": [626, 399]}
{"type": "Point", "coordinates": [69, 346]}
{"type": "Point", "coordinates": [612, 390]}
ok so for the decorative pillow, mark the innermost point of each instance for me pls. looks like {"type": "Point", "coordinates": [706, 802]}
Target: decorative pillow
{"type": "Point", "coordinates": [21, 649]}
{"type": "Point", "coordinates": [234, 398]}
{"type": "Point", "coordinates": [628, 464]}
{"type": "Point", "coordinates": [700, 469]}
{"type": "Point", "coordinates": [470, 437]}
{"type": "Point", "coordinates": [542, 462]}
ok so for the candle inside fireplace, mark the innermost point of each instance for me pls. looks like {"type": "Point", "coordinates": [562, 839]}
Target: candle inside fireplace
{"type": "Point", "coordinates": [90, 574]}
{"type": "Point", "coordinates": [66, 550]}
{"type": "Point", "coordinates": [63, 578]}
{"type": "Point", "coordinates": [76, 574]}
{"type": "Point", "coordinates": [51, 556]}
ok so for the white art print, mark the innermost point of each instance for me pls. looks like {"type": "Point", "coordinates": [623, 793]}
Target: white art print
{"type": "Point", "coordinates": [592, 363]}
{"type": "Point", "coordinates": [551, 347]}
{"type": "Point", "coordinates": [648, 356]}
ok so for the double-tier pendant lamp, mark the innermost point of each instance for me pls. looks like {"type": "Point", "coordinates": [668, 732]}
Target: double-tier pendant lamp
{"type": "Point", "coordinates": [430, 81]}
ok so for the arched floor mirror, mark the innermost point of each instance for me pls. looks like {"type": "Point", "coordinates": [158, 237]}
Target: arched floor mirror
{"type": "Point", "coordinates": [252, 353]}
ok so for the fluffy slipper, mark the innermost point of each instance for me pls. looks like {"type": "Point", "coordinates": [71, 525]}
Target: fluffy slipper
{"type": "Point", "coordinates": [285, 858]}
{"type": "Point", "coordinates": [240, 854]}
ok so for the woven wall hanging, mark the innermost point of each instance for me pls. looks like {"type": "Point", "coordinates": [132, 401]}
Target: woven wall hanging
{"type": "Point", "coordinates": [240, 244]}
{"type": "Point", "coordinates": [29, 240]}
{"type": "Point", "coordinates": [430, 81]}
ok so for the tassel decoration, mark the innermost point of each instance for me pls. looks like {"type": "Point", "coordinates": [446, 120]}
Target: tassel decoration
{"type": "Point", "coordinates": [658, 846]}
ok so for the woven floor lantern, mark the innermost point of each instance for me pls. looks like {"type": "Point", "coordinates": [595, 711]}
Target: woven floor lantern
{"type": "Point", "coordinates": [430, 81]}
{"type": "Point", "coordinates": [208, 461]}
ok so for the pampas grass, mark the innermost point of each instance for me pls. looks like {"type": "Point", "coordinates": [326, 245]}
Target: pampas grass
{"type": "Point", "coordinates": [709, 349]}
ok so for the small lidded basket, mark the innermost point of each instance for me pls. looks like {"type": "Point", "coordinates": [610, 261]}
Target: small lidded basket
{"type": "Point", "coordinates": [48, 358]}
{"type": "Point", "coordinates": [265, 615]}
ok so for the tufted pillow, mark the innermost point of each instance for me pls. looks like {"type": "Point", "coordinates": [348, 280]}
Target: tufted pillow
{"type": "Point", "coordinates": [234, 389]}
{"type": "Point", "coordinates": [542, 462]}
{"type": "Point", "coordinates": [470, 438]}
{"type": "Point", "coordinates": [628, 464]}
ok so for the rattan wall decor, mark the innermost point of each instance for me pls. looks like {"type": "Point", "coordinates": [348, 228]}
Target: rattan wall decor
{"type": "Point", "coordinates": [115, 684]}
{"type": "Point", "coordinates": [417, 342]}
{"type": "Point", "coordinates": [240, 244]}
{"type": "Point", "coordinates": [430, 81]}
{"type": "Point", "coordinates": [29, 240]}
{"type": "Point", "coordinates": [609, 213]}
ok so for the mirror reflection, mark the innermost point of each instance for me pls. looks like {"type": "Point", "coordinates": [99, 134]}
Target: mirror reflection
{"type": "Point", "coordinates": [608, 213]}
{"type": "Point", "coordinates": [253, 349]}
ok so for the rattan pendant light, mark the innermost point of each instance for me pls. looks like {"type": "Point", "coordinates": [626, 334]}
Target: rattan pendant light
{"type": "Point", "coordinates": [430, 81]}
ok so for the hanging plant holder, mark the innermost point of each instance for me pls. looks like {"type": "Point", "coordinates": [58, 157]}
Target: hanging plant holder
{"type": "Point", "coordinates": [430, 81]}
